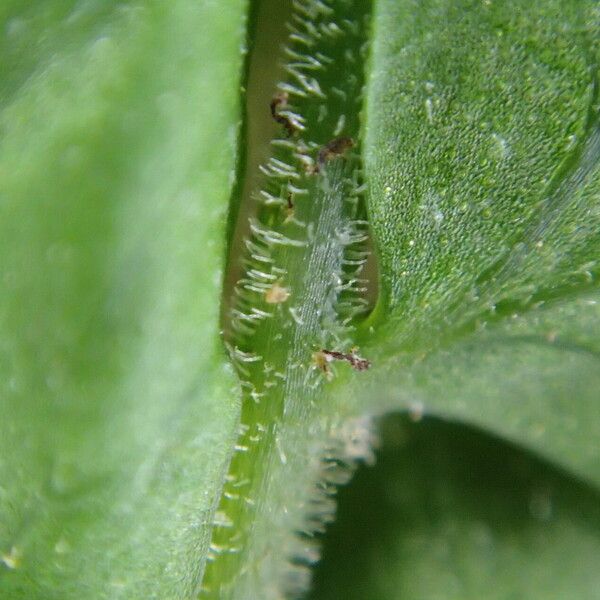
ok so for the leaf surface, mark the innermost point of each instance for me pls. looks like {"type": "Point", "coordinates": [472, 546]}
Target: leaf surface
{"type": "Point", "coordinates": [483, 158]}
{"type": "Point", "coordinates": [450, 512]}
{"type": "Point", "coordinates": [119, 124]}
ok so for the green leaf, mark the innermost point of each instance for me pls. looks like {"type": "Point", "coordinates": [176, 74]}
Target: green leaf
{"type": "Point", "coordinates": [483, 159]}
{"type": "Point", "coordinates": [119, 409]}
{"type": "Point", "coordinates": [482, 148]}
{"type": "Point", "coordinates": [451, 513]}
{"type": "Point", "coordinates": [483, 156]}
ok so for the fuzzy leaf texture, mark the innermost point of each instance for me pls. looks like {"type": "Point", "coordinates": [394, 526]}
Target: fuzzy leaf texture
{"type": "Point", "coordinates": [130, 456]}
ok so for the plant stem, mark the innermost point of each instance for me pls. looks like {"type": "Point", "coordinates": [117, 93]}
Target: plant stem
{"type": "Point", "coordinates": [300, 293]}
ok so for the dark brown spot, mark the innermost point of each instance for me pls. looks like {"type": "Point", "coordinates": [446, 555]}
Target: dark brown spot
{"type": "Point", "coordinates": [336, 147]}
{"type": "Point", "coordinates": [352, 358]}
{"type": "Point", "coordinates": [280, 101]}
{"type": "Point", "coordinates": [290, 201]}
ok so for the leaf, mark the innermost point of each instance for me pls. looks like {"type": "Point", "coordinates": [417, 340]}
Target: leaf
{"type": "Point", "coordinates": [451, 513]}
{"type": "Point", "coordinates": [482, 153]}
{"type": "Point", "coordinates": [119, 409]}
{"type": "Point", "coordinates": [483, 158]}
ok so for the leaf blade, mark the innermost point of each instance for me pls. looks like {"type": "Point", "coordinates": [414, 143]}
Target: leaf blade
{"type": "Point", "coordinates": [116, 162]}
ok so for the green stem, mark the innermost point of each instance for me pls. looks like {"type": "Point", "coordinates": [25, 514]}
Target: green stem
{"type": "Point", "coordinates": [300, 293]}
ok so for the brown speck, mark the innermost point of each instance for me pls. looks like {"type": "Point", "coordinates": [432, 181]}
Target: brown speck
{"type": "Point", "coordinates": [290, 201]}
{"type": "Point", "coordinates": [289, 207]}
{"type": "Point", "coordinates": [276, 294]}
{"type": "Point", "coordinates": [336, 147]}
{"type": "Point", "coordinates": [323, 357]}
{"type": "Point", "coordinates": [280, 101]}
{"type": "Point", "coordinates": [355, 361]}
